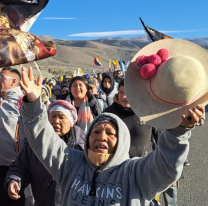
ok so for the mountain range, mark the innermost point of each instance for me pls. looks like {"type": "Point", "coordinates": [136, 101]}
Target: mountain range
{"type": "Point", "coordinates": [80, 53]}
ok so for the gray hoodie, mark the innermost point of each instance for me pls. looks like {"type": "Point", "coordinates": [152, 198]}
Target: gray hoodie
{"type": "Point", "coordinates": [121, 181]}
{"type": "Point", "coordinates": [9, 121]}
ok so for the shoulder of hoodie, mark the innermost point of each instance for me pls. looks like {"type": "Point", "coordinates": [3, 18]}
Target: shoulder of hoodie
{"type": "Point", "coordinates": [11, 103]}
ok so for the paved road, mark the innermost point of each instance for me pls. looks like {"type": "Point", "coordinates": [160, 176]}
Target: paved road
{"type": "Point", "coordinates": [193, 189]}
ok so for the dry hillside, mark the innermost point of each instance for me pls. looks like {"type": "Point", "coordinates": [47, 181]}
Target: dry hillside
{"type": "Point", "coordinates": [80, 54]}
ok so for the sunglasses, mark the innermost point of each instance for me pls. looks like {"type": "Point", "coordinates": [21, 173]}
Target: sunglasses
{"type": "Point", "coordinates": [64, 92]}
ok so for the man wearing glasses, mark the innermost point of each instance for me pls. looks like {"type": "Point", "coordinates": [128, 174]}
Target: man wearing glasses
{"type": "Point", "coordinates": [11, 131]}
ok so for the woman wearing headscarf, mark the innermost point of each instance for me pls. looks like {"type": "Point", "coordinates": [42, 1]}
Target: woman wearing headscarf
{"type": "Point", "coordinates": [109, 88]}
{"type": "Point", "coordinates": [104, 174]}
{"type": "Point", "coordinates": [27, 169]}
{"type": "Point", "coordinates": [86, 104]}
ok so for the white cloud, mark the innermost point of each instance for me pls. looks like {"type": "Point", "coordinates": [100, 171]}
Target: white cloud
{"type": "Point", "coordinates": [168, 32]}
{"type": "Point", "coordinates": [110, 33]}
{"type": "Point", "coordinates": [60, 18]}
{"type": "Point", "coordinates": [119, 33]}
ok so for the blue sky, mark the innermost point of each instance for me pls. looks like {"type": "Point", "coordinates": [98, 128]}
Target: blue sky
{"type": "Point", "coordinates": [92, 19]}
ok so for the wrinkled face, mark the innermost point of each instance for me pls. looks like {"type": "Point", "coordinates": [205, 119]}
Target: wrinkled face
{"type": "Point", "coordinates": [56, 91]}
{"type": "Point", "coordinates": [122, 97]}
{"type": "Point", "coordinates": [107, 83]}
{"type": "Point", "coordinates": [103, 138]}
{"type": "Point", "coordinates": [60, 123]}
{"type": "Point", "coordinates": [78, 89]}
{"type": "Point", "coordinates": [8, 80]}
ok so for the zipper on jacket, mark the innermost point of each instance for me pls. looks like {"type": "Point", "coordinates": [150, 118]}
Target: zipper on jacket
{"type": "Point", "coordinates": [51, 180]}
{"type": "Point", "coordinates": [93, 186]}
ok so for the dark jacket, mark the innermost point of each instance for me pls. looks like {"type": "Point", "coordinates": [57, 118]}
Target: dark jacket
{"type": "Point", "coordinates": [27, 169]}
{"type": "Point", "coordinates": [141, 135]}
{"type": "Point", "coordinates": [118, 79]}
{"type": "Point", "coordinates": [100, 96]}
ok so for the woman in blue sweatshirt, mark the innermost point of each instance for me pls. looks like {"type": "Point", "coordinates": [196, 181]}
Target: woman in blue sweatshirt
{"type": "Point", "coordinates": [104, 174]}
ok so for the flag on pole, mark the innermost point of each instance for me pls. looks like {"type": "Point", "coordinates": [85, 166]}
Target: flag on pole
{"type": "Point", "coordinates": [118, 67]}
{"type": "Point", "coordinates": [153, 35]}
{"type": "Point", "coordinates": [78, 72]}
{"type": "Point", "coordinates": [127, 63]}
{"type": "Point", "coordinates": [97, 61]}
{"type": "Point", "coordinates": [117, 62]}
{"type": "Point", "coordinates": [75, 73]}
{"type": "Point", "coordinates": [81, 72]}
{"type": "Point", "coordinates": [114, 63]}
{"type": "Point", "coordinates": [122, 66]}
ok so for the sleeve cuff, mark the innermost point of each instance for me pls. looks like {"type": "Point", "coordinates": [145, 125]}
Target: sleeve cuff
{"type": "Point", "coordinates": [34, 107]}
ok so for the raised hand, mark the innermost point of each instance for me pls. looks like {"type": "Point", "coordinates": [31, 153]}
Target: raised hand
{"type": "Point", "coordinates": [194, 116]}
{"type": "Point", "coordinates": [13, 190]}
{"type": "Point", "coordinates": [32, 90]}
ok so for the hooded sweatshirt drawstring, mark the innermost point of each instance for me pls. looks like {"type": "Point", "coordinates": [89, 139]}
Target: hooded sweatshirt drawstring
{"type": "Point", "coordinates": [93, 186]}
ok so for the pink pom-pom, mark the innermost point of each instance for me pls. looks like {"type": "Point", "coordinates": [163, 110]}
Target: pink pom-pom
{"type": "Point", "coordinates": [154, 59]}
{"type": "Point", "coordinates": [147, 71]}
{"type": "Point", "coordinates": [140, 61]}
{"type": "Point", "coordinates": [163, 54]}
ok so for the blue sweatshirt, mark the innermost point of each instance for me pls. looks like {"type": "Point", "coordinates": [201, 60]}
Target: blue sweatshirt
{"type": "Point", "coordinates": [121, 181]}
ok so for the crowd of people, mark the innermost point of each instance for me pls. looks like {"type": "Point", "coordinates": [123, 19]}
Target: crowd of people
{"type": "Point", "coordinates": [77, 141]}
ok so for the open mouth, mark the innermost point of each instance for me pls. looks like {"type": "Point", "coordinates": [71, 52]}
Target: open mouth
{"type": "Point", "coordinates": [56, 128]}
{"type": "Point", "coordinates": [101, 149]}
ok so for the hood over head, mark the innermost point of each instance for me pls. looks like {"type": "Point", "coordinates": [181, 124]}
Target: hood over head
{"type": "Point", "coordinates": [110, 76]}
{"type": "Point", "coordinates": [56, 87]}
{"type": "Point", "coordinates": [48, 89]}
{"type": "Point", "coordinates": [123, 144]}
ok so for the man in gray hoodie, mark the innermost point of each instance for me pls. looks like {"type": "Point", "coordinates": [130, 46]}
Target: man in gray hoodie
{"type": "Point", "coordinates": [11, 131]}
{"type": "Point", "coordinates": [119, 180]}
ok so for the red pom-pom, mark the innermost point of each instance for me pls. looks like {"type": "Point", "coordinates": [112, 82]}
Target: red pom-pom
{"type": "Point", "coordinates": [154, 59]}
{"type": "Point", "coordinates": [163, 54]}
{"type": "Point", "coordinates": [148, 70]}
{"type": "Point", "coordinates": [140, 61]}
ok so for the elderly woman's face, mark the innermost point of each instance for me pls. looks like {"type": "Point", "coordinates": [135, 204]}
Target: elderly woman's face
{"type": "Point", "coordinates": [103, 138]}
{"type": "Point", "coordinates": [60, 123]}
{"type": "Point", "coordinates": [78, 89]}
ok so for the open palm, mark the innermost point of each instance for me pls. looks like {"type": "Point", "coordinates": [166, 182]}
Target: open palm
{"type": "Point", "coordinates": [32, 90]}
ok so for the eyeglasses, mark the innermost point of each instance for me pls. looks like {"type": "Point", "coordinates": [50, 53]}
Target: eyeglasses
{"type": "Point", "coordinates": [5, 77]}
